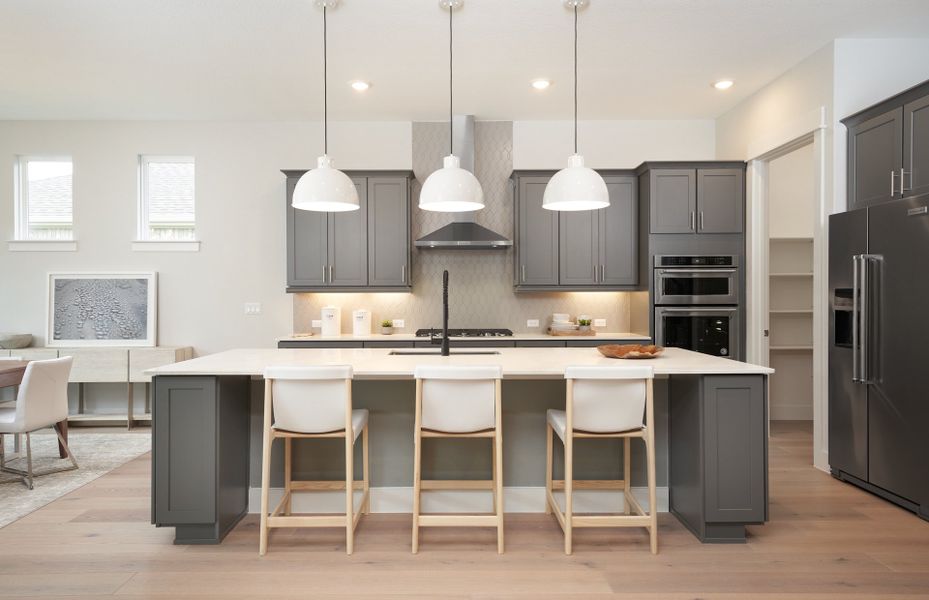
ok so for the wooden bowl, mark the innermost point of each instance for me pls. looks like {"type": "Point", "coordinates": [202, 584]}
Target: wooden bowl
{"type": "Point", "coordinates": [630, 350]}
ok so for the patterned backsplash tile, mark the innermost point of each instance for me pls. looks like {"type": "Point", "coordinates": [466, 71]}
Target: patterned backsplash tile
{"type": "Point", "coordinates": [480, 281]}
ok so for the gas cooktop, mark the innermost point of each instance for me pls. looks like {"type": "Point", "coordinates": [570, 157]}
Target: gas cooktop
{"type": "Point", "coordinates": [452, 333]}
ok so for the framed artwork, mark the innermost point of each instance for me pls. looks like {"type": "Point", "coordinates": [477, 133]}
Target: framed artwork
{"type": "Point", "coordinates": [102, 309]}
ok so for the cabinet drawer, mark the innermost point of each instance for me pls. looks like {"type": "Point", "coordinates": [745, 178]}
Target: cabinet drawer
{"type": "Point", "coordinates": [35, 353]}
{"type": "Point", "coordinates": [142, 359]}
{"type": "Point", "coordinates": [98, 365]}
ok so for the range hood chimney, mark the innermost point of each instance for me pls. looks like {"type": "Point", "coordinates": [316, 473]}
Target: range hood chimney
{"type": "Point", "coordinates": [464, 233]}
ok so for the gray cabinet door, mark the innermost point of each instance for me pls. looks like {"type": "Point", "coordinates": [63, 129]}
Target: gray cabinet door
{"type": "Point", "coordinates": [388, 231]}
{"type": "Point", "coordinates": [618, 233]}
{"type": "Point", "coordinates": [184, 449]}
{"type": "Point", "coordinates": [673, 200]}
{"type": "Point", "coordinates": [307, 244]}
{"type": "Point", "coordinates": [916, 147]}
{"type": "Point", "coordinates": [875, 157]}
{"type": "Point", "coordinates": [579, 248]}
{"type": "Point", "coordinates": [735, 454]}
{"type": "Point", "coordinates": [720, 196]}
{"type": "Point", "coordinates": [537, 251]}
{"type": "Point", "coordinates": [348, 243]}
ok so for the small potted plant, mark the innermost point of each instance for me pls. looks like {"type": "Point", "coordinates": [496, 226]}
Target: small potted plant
{"type": "Point", "coordinates": [387, 327]}
{"type": "Point", "coordinates": [583, 324]}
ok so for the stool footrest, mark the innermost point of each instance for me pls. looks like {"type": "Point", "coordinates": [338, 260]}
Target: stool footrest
{"type": "Point", "coordinates": [592, 484]}
{"type": "Point", "coordinates": [321, 486]}
{"type": "Point", "coordinates": [458, 521]}
{"type": "Point", "coordinates": [456, 484]}
{"type": "Point", "coordinates": [610, 521]}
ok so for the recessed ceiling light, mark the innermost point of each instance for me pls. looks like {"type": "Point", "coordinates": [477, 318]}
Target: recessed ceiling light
{"type": "Point", "coordinates": [360, 86]}
{"type": "Point", "coordinates": [723, 84]}
{"type": "Point", "coordinates": [541, 84]}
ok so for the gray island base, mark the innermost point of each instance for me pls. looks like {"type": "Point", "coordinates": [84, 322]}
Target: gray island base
{"type": "Point", "coordinates": [711, 434]}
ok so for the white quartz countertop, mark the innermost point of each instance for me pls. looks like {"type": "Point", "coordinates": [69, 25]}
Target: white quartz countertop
{"type": "Point", "coordinates": [517, 363]}
{"type": "Point", "coordinates": [409, 337]}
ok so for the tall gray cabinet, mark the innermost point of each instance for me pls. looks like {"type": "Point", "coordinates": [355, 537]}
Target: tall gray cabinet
{"type": "Point", "coordinates": [366, 249]}
{"type": "Point", "coordinates": [594, 249]}
{"type": "Point", "coordinates": [888, 149]}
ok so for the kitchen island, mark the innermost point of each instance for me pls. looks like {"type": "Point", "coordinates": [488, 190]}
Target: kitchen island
{"type": "Point", "coordinates": [711, 433]}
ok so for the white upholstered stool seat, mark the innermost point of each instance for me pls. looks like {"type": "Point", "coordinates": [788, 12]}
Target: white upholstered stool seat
{"type": "Point", "coordinates": [603, 402]}
{"type": "Point", "coordinates": [463, 402]}
{"type": "Point", "coordinates": [305, 402]}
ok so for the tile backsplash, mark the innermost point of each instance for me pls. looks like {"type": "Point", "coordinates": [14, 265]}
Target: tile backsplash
{"type": "Point", "coordinates": [480, 281]}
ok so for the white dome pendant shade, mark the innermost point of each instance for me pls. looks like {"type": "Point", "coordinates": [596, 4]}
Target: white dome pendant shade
{"type": "Point", "coordinates": [576, 187]}
{"type": "Point", "coordinates": [451, 189]}
{"type": "Point", "coordinates": [325, 189]}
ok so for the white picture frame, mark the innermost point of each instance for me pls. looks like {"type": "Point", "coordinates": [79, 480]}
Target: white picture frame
{"type": "Point", "coordinates": [98, 322]}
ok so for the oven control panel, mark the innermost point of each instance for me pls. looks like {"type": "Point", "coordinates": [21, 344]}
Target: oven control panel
{"type": "Point", "coordinates": [666, 260]}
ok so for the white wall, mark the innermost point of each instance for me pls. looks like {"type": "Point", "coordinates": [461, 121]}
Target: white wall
{"type": "Point", "coordinates": [791, 194]}
{"type": "Point", "coordinates": [611, 144]}
{"type": "Point", "coordinates": [240, 217]}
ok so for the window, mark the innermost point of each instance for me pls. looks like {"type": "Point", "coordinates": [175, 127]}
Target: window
{"type": "Point", "coordinates": [166, 199]}
{"type": "Point", "coordinates": [43, 199]}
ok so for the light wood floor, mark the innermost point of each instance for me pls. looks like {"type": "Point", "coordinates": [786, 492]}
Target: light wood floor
{"type": "Point", "coordinates": [825, 540]}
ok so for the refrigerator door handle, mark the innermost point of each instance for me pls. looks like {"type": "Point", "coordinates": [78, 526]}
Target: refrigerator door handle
{"type": "Point", "coordinates": [870, 316]}
{"type": "Point", "coordinates": [856, 261]}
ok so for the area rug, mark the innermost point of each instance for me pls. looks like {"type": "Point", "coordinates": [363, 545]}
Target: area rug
{"type": "Point", "coordinates": [96, 453]}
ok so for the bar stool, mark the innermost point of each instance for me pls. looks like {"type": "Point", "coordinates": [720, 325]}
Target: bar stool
{"type": "Point", "coordinates": [458, 402]}
{"type": "Point", "coordinates": [312, 402]}
{"type": "Point", "coordinates": [604, 402]}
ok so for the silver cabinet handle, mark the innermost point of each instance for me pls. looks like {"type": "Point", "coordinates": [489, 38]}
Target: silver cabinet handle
{"type": "Point", "coordinates": [855, 316]}
{"type": "Point", "coordinates": [701, 220]}
{"type": "Point", "coordinates": [402, 273]}
{"type": "Point", "coordinates": [596, 273]}
{"type": "Point", "coordinates": [602, 273]}
{"type": "Point", "coordinates": [905, 189]}
{"type": "Point", "coordinates": [892, 175]}
{"type": "Point", "coordinates": [523, 273]}
{"type": "Point", "coordinates": [331, 279]}
{"type": "Point", "coordinates": [324, 275]}
{"type": "Point", "coordinates": [693, 221]}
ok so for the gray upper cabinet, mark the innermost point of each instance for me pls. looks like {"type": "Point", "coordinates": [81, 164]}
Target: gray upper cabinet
{"type": "Point", "coordinates": [579, 247]}
{"type": "Point", "coordinates": [888, 149]}
{"type": "Point", "coordinates": [875, 157]}
{"type": "Point", "coordinates": [618, 233]}
{"type": "Point", "coordinates": [673, 200]}
{"type": "Point", "coordinates": [916, 147]}
{"type": "Point", "coordinates": [388, 231]}
{"type": "Point", "coordinates": [578, 250]}
{"type": "Point", "coordinates": [720, 197]}
{"type": "Point", "coordinates": [365, 249]}
{"type": "Point", "coordinates": [537, 235]}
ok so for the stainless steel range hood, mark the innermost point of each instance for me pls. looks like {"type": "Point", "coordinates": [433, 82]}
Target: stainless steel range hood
{"type": "Point", "coordinates": [464, 234]}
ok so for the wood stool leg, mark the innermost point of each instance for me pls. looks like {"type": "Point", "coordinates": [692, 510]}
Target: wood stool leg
{"type": "Point", "coordinates": [288, 475]}
{"type": "Point", "coordinates": [498, 465]}
{"type": "Point", "coordinates": [549, 441]}
{"type": "Point", "coordinates": [366, 507]}
{"type": "Point", "coordinates": [569, 467]}
{"type": "Point", "coordinates": [417, 459]}
{"type": "Point", "coordinates": [650, 450]}
{"type": "Point", "coordinates": [627, 474]}
{"type": "Point", "coordinates": [349, 490]}
{"type": "Point", "coordinates": [265, 471]}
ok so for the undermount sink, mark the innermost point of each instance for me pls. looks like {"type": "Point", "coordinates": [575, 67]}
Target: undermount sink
{"type": "Point", "coordinates": [437, 352]}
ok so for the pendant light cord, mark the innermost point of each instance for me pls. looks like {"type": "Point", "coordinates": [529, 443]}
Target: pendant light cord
{"type": "Point", "coordinates": [451, 143]}
{"type": "Point", "coordinates": [325, 88]}
{"type": "Point", "coordinates": [575, 78]}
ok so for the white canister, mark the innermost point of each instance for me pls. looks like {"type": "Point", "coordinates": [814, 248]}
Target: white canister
{"type": "Point", "coordinates": [361, 322]}
{"type": "Point", "coordinates": [332, 321]}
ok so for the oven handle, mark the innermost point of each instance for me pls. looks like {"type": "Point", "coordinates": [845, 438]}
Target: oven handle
{"type": "Point", "coordinates": [697, 309]}
{"type": "Point", "coordinates": [677, 271]}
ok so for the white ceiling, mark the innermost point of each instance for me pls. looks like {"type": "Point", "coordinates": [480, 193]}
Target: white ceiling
{"type": "Point", "coordinates": [261, 59]}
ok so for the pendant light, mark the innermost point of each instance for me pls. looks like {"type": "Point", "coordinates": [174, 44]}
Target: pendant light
{"type": "Point", "coordinates": [575, 187]}
{"type": "Point", "coordinates": [451, 188]}
{"type": "Point", "coordinates": [325, 189]}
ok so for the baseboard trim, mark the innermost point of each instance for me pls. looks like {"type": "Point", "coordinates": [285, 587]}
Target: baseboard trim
{"type": "Point", "coordinates": [517, 499]}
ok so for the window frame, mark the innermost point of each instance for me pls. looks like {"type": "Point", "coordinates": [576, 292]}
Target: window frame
{"type": "Point", "coordinates": [143, 225]}
{"type": "Point", "coordinates": [21, 227]}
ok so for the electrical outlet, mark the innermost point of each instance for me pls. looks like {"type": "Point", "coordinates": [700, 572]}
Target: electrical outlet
{"type": "Point", "coordinates": [253, 308]}
{"type": "Point", "coordinates": [599, 322]}
{"type": "Point", "coordinates": [532, 323]}
{"type": "Point", "coordinates": [398, 323]}
{"type": "Point", "coordinates": [316, 323]}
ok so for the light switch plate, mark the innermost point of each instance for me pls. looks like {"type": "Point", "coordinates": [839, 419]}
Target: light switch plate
{"type": "Point", "coordinates": [599, 322]}
{"type": "Point", "coordinates": [253, 308]}
{"type": "Point", "coordinates": [532, 323]}
{"type": "Point", "coordinates": [317, 323]}
{"type": "Point", "coordinates": [399, 323]}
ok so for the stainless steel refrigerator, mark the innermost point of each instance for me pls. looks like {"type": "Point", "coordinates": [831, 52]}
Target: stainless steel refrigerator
{"type": "Point", "coordinates": [879, 350]}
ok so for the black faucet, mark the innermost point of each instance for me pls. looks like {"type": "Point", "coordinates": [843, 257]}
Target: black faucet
{"type": "Point", "coordinates": [445, 351]}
